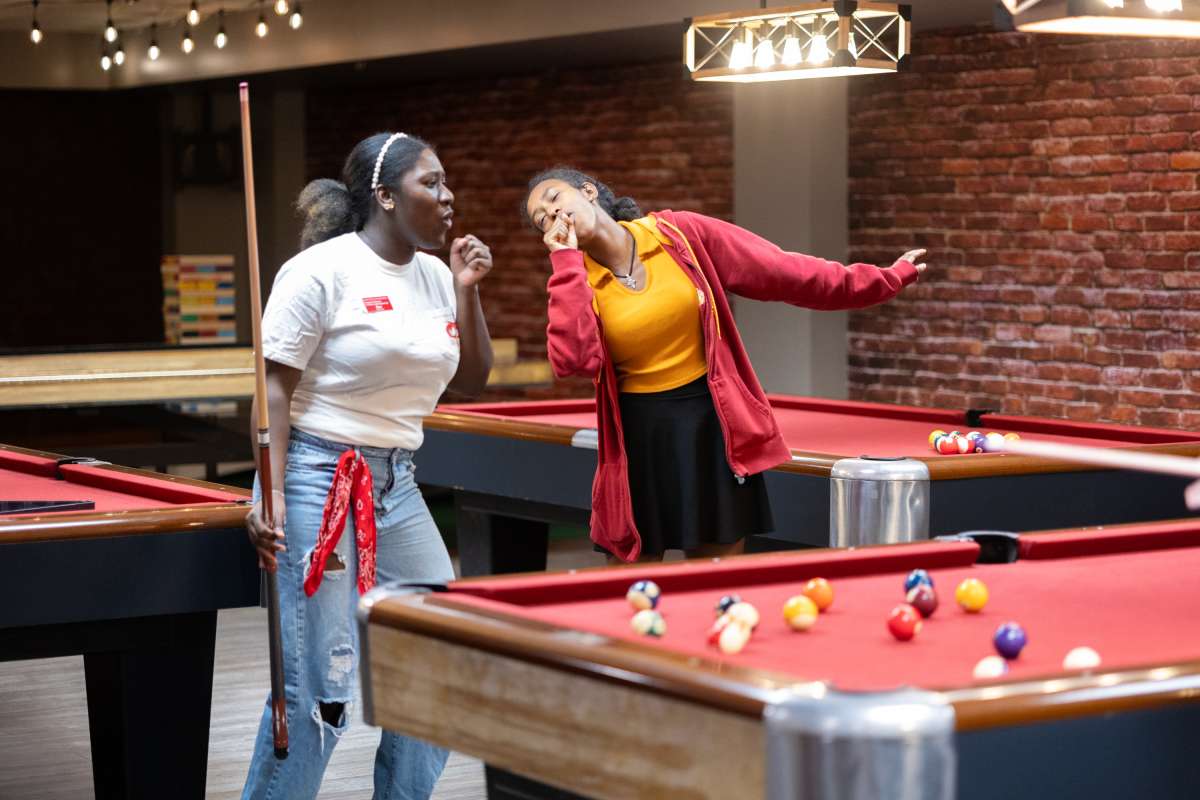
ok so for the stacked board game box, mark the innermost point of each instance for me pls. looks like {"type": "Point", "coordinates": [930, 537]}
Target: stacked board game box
{"type": "Point", "coordinates": [199, 299]}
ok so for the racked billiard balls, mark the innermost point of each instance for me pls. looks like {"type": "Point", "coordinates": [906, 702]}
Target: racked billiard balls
{"type": "Point", "coordinates": [915, 577]}
{"type": "Point", "coordinates": [643, 595]}
{"type": "Point", "coordinates": [904, 622]}
{"type": "Point", "coordinates": [1009, 640]}
{"type": "Point", "coordinates": [972, 595]}
{"type": "Point", "coordinates": [923, 598]}
{"type": "Point", "coordinates": [725, 602]}
{"type": "Point", "coordinates": [820, 592]}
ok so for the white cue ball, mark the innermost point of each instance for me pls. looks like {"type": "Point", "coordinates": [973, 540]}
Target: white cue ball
{"type": "Point", "coordinates": [1081, 658]}
{"type": "Point", "coordinates": [990, 667]}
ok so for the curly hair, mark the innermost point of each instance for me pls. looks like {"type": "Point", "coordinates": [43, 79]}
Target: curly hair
{"type": "Point", "coordinates": [331, 208]}
{"type": "Point", "coordinates": [619, 208]}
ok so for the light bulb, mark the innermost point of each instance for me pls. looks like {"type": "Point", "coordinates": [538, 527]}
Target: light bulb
{"type": "Point", "coordinates": [791, 51]}
{"type": "Point", "coordinates": [764, 55]}
{"type": "Point", "coordinates": [296, 20]}
{"type": "Point", "coordinates": [35, 35]}
{"type": "Point", "coordinates": [282, 7]}
{"type": "Point", "coordinates": [740, 59]}
{"type": "Point", "coordinates": [110, 31]}
{"type": "Point", "coordinates": [260, 30]}
{"type": "Point", "coordinates": [105, 62]}
{"type": "Point", "coordinates": [153, 52]}
{"type": "Point", "coordinates": [220, 40]}
{"type": "Point", "coordinates": [193, 15]}
{"type": "Point", "coordinates": [188, 44]}
{"type": "Point", "coordinates": [119, 56]}
{"type": "Point", "coordinates": [818, 51]}
{"type": "Point", "coordinates": [1164, 6]}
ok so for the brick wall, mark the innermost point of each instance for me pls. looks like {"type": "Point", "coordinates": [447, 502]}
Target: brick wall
{"type": "Point", "coordinates": [1054, 181]}
{"type": "Point", "coordinates": [645, 130]}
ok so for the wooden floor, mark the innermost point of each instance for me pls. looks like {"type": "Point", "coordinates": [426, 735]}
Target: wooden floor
{"type": "Point", "coordinates": [44, 750]}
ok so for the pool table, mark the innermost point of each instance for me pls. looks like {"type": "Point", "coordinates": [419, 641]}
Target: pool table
{"type": "Point", "coordinates": [515, 467]}
{"type": "Point", "coordinates": [132, 584]}
{"type": "Point", "coordinates": [541, 674]}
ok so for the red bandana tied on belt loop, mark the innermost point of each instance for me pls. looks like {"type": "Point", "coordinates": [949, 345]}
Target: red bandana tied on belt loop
{"type": "Point", "coordinates": [352, 479]}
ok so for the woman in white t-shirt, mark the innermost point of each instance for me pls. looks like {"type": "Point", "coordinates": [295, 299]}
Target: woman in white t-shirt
{"type": "Point", "coordinates": [362, 334]}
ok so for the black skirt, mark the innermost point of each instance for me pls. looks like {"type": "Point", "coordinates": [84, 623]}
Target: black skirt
{"type": "Point", "coordinates": [684, 492]}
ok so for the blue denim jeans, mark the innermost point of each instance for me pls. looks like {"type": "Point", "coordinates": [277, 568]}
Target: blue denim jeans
{"type": "Point", "coordinates": [320, 639]}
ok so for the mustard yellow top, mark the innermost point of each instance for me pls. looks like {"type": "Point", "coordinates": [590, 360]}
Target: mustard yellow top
{"type": "Point", "coordinates": [653, 333]}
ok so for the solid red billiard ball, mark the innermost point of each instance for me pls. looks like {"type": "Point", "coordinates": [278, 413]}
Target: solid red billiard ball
{"type": "Point", "coordinates": [923, 598]}
{"type": "Point", "coordinates": [904, 622]}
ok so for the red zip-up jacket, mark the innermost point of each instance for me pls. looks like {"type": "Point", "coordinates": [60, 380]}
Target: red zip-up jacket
{"type": "Point", "coordinates": [719, 258]}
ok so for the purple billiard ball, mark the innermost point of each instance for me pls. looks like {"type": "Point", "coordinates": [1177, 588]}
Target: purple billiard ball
{"type": "Point", "coordinates": [976, 439]}
{"type": "Point", "coordinates": [923, 598]}
{"type": "Point", "coordinates": [1009, 640]}
{"type": "Point", "coordinates": [915, 577]}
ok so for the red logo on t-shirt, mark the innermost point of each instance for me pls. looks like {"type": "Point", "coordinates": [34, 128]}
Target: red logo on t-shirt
{"type": "Point", "coordinates": [452, 330]}
{"type": "Point", "coordinates": [374, 304]}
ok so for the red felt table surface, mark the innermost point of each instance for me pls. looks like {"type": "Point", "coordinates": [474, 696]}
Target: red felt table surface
{"type": "Point", "coordinates": [1133, 608]}
{"type": "Point", "coordinates": [29, 477]}
{"type": "Point", "coordinates": [854, 429]}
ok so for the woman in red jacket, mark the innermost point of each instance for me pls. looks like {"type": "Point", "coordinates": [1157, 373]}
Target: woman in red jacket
{"type": "Point", "coordinates": [639, 303]}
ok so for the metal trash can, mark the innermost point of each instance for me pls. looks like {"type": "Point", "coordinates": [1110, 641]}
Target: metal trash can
{"type": "Point", "coordinates": [876, 500]}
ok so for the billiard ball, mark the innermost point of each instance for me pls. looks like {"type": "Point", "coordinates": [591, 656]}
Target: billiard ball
{"type": "Point", "coordinates": [948, 445]}
{"type": "Point", "coordinates": [917, 576]}
{"type": "Point", "coordinates": [972, 595]}
{"type": "Point", "coordinates": [993, 443]}
{"type": "Point", "coordinates": [733, 638]}
{"type": "Point", "coordinates": [643, 595]}
{"type": "Point", "coordinates": [725, 602]}
{"type": "Point", "coordinates": [1009, 640]}
{"type": "Point", "coordinates": [923, 598]}
{"type": "Point", "coordinates": [820, 592]}
{"type": "Point", "coordinates": [976, 439]}
{"type": "Point", "coordinates": [933, 437]}
{"type": "Point", "coordinates": [648, 622]}
{"type": "Point", "coordinates": [990, 667]}
{"type": "Point", "coordinates": [965, 445]}
{"type": "Point", "coordinates": [800, 613]}
{"type": "Point", "coordinates": [719, 624]}
{"type": "Point", "coordinates": [904, 622]}
{"type": "Point", "coordinates": [1012, 437]}
{"type": "Point", "coordinates": [744, 613]}
{"type": "Point", "coordinates": [1081, 658]}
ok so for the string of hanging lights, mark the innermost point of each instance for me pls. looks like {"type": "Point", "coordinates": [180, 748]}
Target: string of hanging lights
{"type": "Point", "coordinates": [112, 47]}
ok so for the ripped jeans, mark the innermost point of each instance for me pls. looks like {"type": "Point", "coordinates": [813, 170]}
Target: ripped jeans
{"type": "Point", "coordinates": [320, 639]}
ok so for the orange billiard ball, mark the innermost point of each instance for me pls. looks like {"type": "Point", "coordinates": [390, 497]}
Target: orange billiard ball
{"type": "Point", "coordinates": [820, 592]}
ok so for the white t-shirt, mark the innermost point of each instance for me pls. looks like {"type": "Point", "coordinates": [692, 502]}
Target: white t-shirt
{"type": "Point", "coordinates": [377, 341]}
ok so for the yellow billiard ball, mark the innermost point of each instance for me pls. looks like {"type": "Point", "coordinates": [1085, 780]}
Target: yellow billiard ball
{"type": "Point", "coordinates": [800, 613]}
{"type": "Point", "coordinates": [972, 595]}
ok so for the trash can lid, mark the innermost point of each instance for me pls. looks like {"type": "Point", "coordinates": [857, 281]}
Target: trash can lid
{"type": "Point", "coordinates": [880, 468]}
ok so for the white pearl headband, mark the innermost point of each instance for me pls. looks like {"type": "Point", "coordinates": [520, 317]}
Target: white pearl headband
{"type": "Point", "coordinates": [379, 159]}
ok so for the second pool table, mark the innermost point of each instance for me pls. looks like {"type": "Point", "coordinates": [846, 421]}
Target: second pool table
{"type": "Point", "coordinates": [132, 582]}
{"type": "Point", "coordinates": [515, 467]}
{"type": "Point", "coordinates": [542, 675]}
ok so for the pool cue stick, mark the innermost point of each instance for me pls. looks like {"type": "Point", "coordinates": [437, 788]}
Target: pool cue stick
{"type": "Point", "coordinates": [279, 723]}
{"type": "Point", "coordinates": [1118, 458]}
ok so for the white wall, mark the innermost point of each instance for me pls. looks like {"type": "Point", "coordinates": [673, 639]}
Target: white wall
{"type": "Point", "coordinates": [790, 163]}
